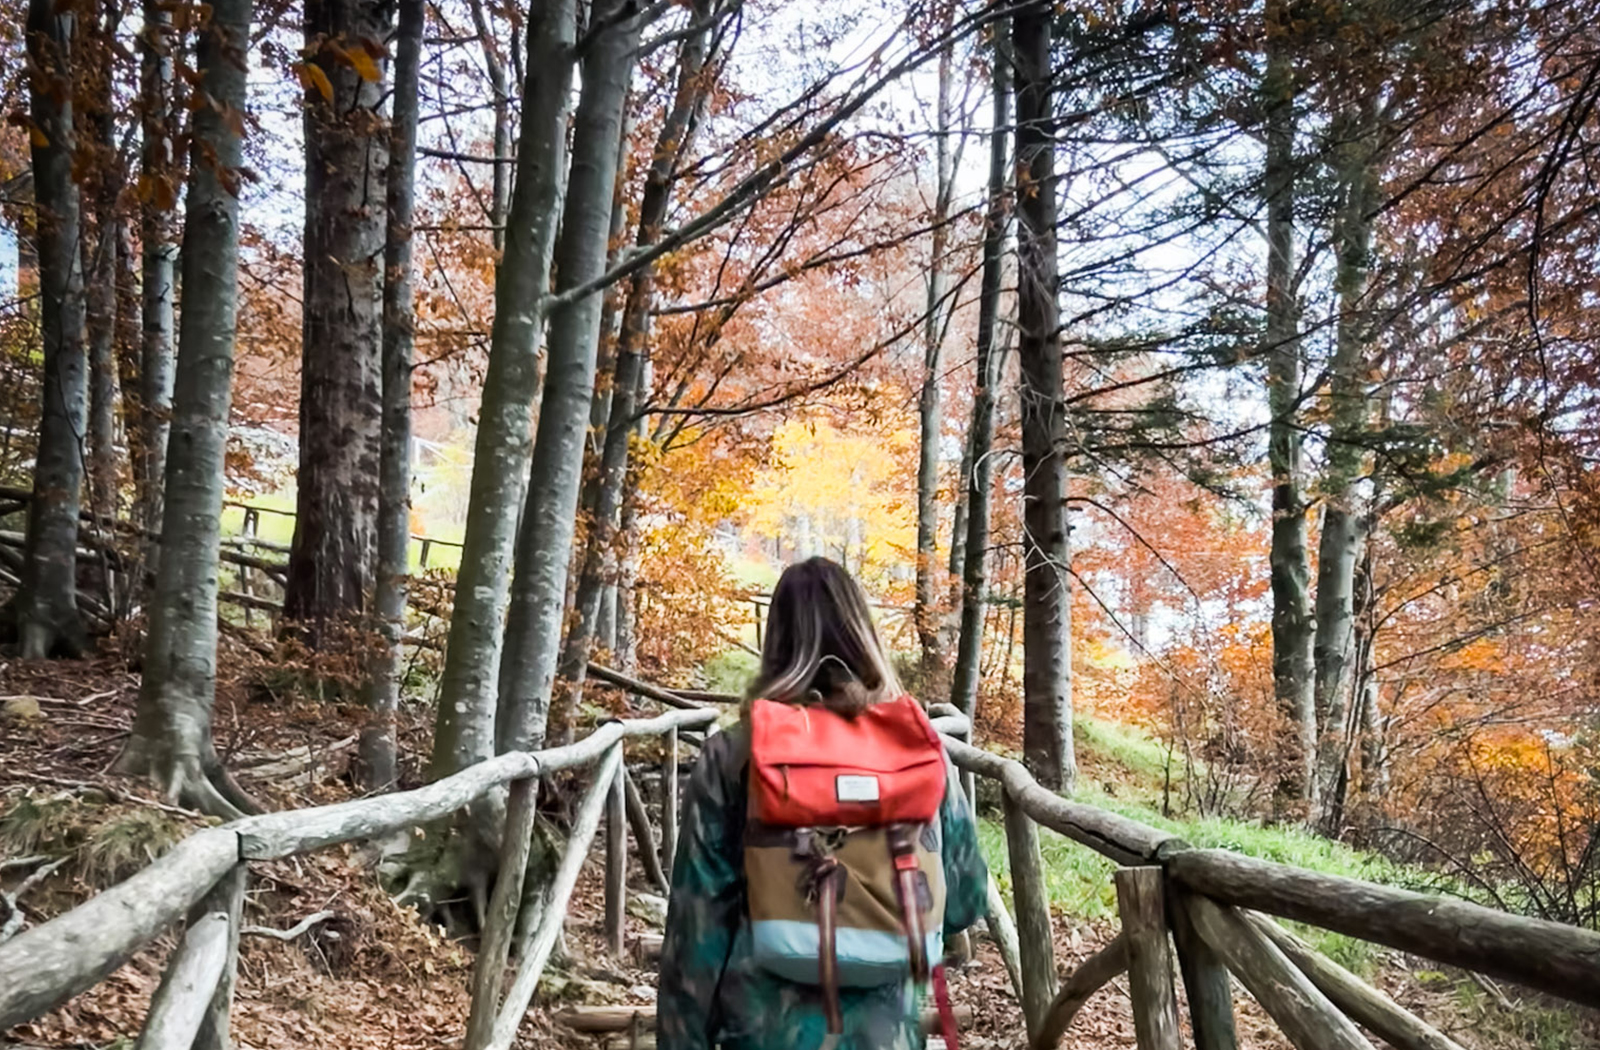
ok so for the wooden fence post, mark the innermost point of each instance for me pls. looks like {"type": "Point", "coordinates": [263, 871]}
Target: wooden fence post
{"type": "Point", "coordinates": [669, 803]}
{"type": "Point", "coordinates": [184, 998]}
{"type": "Point", "coordinates": [1036, 950]}
{"type": "Point", "coordinates": [504, 904]}
{"type": "Point", "coordinates": [1144, 923]}
{"type": "Point", "coordinates": [644, 834]}
{"type": "Point", "coordinates": [226, 898]}
{"type": "Point", "coordinates": [617, 862]}
{"type": "Point", "coordinates": [1205, 979]}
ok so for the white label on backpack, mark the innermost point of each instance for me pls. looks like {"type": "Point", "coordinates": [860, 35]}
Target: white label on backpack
{"type": "Point", "coordinates": [856, 788]}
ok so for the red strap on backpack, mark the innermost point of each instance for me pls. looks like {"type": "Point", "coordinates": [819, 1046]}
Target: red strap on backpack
{"type": "Point", "coordinates": [947, 1013]}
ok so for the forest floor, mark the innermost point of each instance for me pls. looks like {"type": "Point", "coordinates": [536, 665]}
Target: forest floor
{"type": "Point", "coordinates": [376, 976]}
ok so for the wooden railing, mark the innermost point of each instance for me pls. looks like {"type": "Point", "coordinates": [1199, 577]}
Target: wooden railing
{"type": "Point", "coordinates": [1217, 907]}
{"type": "Point", "coordinates": [203, 878]}
{"type": "Point", "coordinates": [1214, 905]}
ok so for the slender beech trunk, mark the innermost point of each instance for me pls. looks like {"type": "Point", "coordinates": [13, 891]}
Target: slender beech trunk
{"type": "Point", "coordinates": [100, 264]}
{"type": "Point", "coordinates": [626, 646]}
{"type": "Point", "coordinates": [500, 192]}
{"type": "Point", "coordinates": [47, 607]}
{"type": "Point", "coordinates": [158, 237]}
{"type": "Point", "coordinates": [331, 560]}
{"type": "Point", "coordinates": [1292, 627]}
{"type": "Point", "coordinates": [379, 763]}
{"type": "Point", "coordinates": [465, 732]}
{"type": "Point", "coordinates": [926, 609]}
{"type": "Point", "coordinates": [974, 570]}
{"type": "Point", "coordinates": [171, 739]}
{"type": "Point", "coordinates": [1047, 602]}
{"type": "Point", "coordinates": [1344, 518]}
{"type": "Point", "coordinates": [600, 560]}
{"type": "Point", "coordinates": [544, 546]}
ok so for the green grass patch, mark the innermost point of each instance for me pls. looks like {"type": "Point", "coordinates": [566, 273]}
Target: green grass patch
{"type": "Point", "coordinates": [731, 671]}
{"type": "Point", "coordinates": [1129, 747]}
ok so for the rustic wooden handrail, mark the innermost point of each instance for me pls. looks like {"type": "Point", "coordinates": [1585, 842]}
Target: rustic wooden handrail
{"type": "Point", "coordinates": [44, 966]}
{"type": "Point", "coordinates": [1312, 999]}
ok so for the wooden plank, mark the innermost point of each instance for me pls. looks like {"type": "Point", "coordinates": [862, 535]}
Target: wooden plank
{"type": "Point", "coordinates": [669, 804]}
{"type": "Point", "coordinates": [488, 969]}
{"type": "Point", "coordinates": [1141, 905]}
{"type": "Point", "coordinates": [1205, 980]}
{"type": "Point", "coordinates": [1036, 947]}
{"type": "Point", "coordinates": [43, 967]}
{"type": "Point", "coordinates": [598, 1020]}
{"type": "Point", "coordinates": [617, 863]}
{"type": "Point", "coordinates": [1363, 1003]}
{"type": "Point", "coordinates": [225, 898]}
{"type": "Point", "coordinates": [1548, 956]}
{"type": "Point", "coordinates": [1125, 841]}
{"type": "Point", "coordinates": [1096, 972]}
{"type": "Point", "coordinates": [279, 835]}
{"type": "Point", "coordinates": [183, 999]}
{"type": "Point", "coordinates": [643, 834]}
{"type": "Point", "coordinates": [536, 951]}
{"type": "Point", "coordinates": [1303, 1013]}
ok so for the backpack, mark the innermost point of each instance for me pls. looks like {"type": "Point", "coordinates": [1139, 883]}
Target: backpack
{"type": "Point", "coordinates": [845, 885]}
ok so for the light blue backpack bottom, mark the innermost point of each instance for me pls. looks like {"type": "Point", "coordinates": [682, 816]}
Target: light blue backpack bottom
{"type": "Point", "coordinates": [867, 958]}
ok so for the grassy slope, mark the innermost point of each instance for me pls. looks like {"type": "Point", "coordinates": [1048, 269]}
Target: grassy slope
{"type": "Point", "coordinates": [1131, 768]}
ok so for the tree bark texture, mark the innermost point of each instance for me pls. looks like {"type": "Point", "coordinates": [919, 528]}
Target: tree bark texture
{"type": "Point", "coordinates": [47, 608]}
{"type": "Point", "coordinates": [100, 265]}
{"type": "Point", "coordinates": [1047, 598]}
{"type": "Point", "coordinates": [544, 546]}
{"type": "Point", "coordinates": [600, 559]}
{"type": "Point", "coordinates": [980, 438]}
{"type": "Point", "coordinates": [1344, 516]}
{"type": "Point", "coordinates": [394, 465]}
{"type": "Point", "coordinates": [1292, 626]}
{"type": "Point", "coordinates": [926, 609]}
{"type": "Point", "coordinates": [332, 557]}
{"type": "Point", "coordinates": [465, 732]}
{"type": "Point", "coordinates": [158, 235]}
{"type": "Point", "coordinates": [171, 739]}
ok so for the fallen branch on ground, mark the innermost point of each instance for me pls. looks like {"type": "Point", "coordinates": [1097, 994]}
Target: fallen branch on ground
{"type": "Point", "coordinates": [297, 930]}
{"type": "Point", "coordinates": [12, 902]}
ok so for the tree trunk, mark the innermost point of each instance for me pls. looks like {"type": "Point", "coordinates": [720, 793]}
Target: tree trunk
{"type": "Point", "coordinates": [394, 482]}
{"type": "Point", "coordinates": [100, 263]}
{"type": "Point", "coordinates": [626, 647]}
{"type": "Point", "coordinates": [926, 609]}
{"type": "Point", "coordinates": [600, 555]}
{"type": "Point", "coordinates": [171, 739]}
{"type": "Point", "coordinates": [465, 732]}
{"type": "Point", "coordinates": [975, 566]}
{"type": "Point", "coordinates": [544, 545]}
{"type": "Point", "coordinates": [159, 254]}
{"type": "Point", "coordinates": [1292, 626]}
{"type": "Point", "coordinates": [1047, 602]}
{"type": "Point", "coordinates": [500, 191]}
{"type": "Point", "coordinates": [331, 560]}
{"type": "Point", "coordinates": [47, 607]}
{"type": "Point", "coordinates": [1343, 518]}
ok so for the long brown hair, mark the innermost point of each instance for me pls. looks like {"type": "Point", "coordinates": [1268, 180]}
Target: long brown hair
{"type": "Point", "coordinates": [821, 646]}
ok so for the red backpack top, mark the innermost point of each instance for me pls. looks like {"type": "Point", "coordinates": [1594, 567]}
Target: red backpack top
{"type": "Point", "coordinates": [811, 767]}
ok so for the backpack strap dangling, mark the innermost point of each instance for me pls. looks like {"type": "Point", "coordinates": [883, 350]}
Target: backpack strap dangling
{"type": "Point", "coordinates": [903, 851]}
{"type": "Point", "coordinates": [828, 947]}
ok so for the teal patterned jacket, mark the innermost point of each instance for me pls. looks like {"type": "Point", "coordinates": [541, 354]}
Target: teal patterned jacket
{"type": "Point", "coordinates": [711, 994]}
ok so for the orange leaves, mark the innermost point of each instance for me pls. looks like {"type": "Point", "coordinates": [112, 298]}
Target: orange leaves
{"type": "Point", "coordinates": [363, 57]}
{"type": "Point", "coordinates": [311, 76]}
